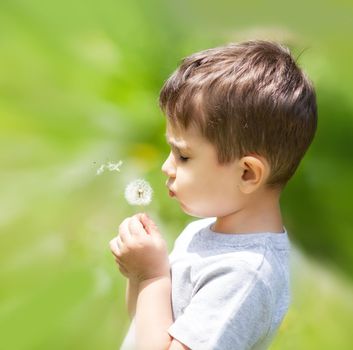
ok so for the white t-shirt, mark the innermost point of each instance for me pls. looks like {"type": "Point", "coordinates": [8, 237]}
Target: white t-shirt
{"type": "Point", "coordinates": [229, 291]}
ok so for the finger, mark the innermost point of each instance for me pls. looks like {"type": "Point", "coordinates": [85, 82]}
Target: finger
{"type": "Point", "coordinates": [149, 225]}
{"type": "Point", "coordinates": [114, 247]}
{"type": "Point", "coordinates": [144, 220]}
{"type": "Point", "coordinates": [118, 261]}
{"type": "Point", "coordinates": [119, 243]}
{"type": "Point", "coordinates": [136, 227]}
{"type": "Point", "coordinates": [121, 267]}
{"type": "Point", "coordinates": [124, 231]}
{"type": "Point", "coordinates": [123, 270]}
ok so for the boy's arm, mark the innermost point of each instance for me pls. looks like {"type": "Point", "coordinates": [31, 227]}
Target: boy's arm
{"type": "Point", "coordinates": [154, 314]}
{"type": "Point", "coordinates": [146, 258]}
{"type": "Point", "coordinates": [152, 301]}
{"type": "Point", "coordinates": [131, 296]}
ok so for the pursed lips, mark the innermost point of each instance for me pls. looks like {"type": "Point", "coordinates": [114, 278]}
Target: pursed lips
{"type": "Point", "coordinates": [171, 192]}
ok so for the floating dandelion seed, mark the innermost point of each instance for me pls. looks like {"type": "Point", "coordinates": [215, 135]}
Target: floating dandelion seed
{"type": "Point", "coordinates": [138, 192]}
{"type": "Point", "coordinates": [110, 166]}
{"type": "Point", "coordinates": [100, 170]}
{"type": "Point", "coordinates": [114, 166]}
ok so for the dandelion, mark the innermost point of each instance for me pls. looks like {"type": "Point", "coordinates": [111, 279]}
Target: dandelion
{"type": "Point", "coordinates": [138, 192]}
{"type": "Point", "coordinates": [110, 166]}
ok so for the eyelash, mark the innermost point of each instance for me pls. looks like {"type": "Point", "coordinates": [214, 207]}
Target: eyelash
{"type": "Point", "coordinates": [183, 159]}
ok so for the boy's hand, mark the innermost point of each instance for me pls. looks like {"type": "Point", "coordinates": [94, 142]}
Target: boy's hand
{"type": "Point", "coordinates": [140, 250]}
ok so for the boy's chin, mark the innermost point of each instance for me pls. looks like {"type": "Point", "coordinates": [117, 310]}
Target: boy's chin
{"type": "Point", "coordinates": [189, 211]}
{"type": "Point", "coordinates": [195, 213]}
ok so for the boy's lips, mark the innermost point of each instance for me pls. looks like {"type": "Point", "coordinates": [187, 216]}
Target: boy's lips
{"type": "Point", "coordinates": [169, 185]}
{"type": "Point", "coordinates": [171, 192]}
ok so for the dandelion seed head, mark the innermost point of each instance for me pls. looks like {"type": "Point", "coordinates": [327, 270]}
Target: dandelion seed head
{"type": "Point", "coordinates": [138, 192]}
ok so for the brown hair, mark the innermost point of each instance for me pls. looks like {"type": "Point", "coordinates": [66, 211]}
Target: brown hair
{"type": "Point", "coordinates": [246, 98]}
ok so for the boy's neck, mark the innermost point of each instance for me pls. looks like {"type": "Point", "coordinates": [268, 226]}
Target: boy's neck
{"type": "Point", "coordinates": [259, 215]}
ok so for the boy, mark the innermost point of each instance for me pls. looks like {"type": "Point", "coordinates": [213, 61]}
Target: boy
{"type": "Point", "coordinates": [239, 120]}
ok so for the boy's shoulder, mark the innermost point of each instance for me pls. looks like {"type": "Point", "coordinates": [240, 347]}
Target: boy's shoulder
{"type": "Point", "coordinates": [197, 225]}
{"type": "Point", "coordinates": [265, 254]}
{"type": "Point", "coordinates": [191, 229]}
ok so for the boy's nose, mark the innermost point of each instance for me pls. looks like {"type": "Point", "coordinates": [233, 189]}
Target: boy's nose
{"type": "Point", "coordinates": [168, 166]}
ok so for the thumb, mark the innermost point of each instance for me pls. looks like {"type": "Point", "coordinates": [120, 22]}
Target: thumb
{"type": "Point", "coordinates": [149, 225]}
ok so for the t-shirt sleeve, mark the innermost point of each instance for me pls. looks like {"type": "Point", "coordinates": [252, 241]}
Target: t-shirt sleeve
{"type": "Point", "coordinates": [230, 309]}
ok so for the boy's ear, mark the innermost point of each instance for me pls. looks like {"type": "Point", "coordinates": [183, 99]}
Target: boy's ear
{"type": "Point", "coordinates": [254, 173]}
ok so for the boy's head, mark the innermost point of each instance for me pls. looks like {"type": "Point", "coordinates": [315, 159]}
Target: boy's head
{"type": "Point", "coordinates": [245, 99]}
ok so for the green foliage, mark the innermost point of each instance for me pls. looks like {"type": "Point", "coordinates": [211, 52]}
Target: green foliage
{"type": "Point", "coordinates": [79, 84]}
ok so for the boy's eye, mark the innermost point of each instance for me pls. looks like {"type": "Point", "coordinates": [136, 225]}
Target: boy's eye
{"type": "Point", "coordinates": [183, 159]}
{"type": "Point", "coordinates": [177, 154]}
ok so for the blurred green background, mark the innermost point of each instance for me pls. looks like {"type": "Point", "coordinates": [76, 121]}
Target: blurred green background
{"type": "Point", "coordinates": [79, 84]}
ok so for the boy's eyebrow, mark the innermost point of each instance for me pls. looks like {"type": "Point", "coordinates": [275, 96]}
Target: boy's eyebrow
{"type": "Point", "coordinates": [182, 146]}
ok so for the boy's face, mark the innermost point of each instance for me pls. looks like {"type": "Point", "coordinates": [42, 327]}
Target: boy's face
{"type": "Point", "coordinates": [203, 187]}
